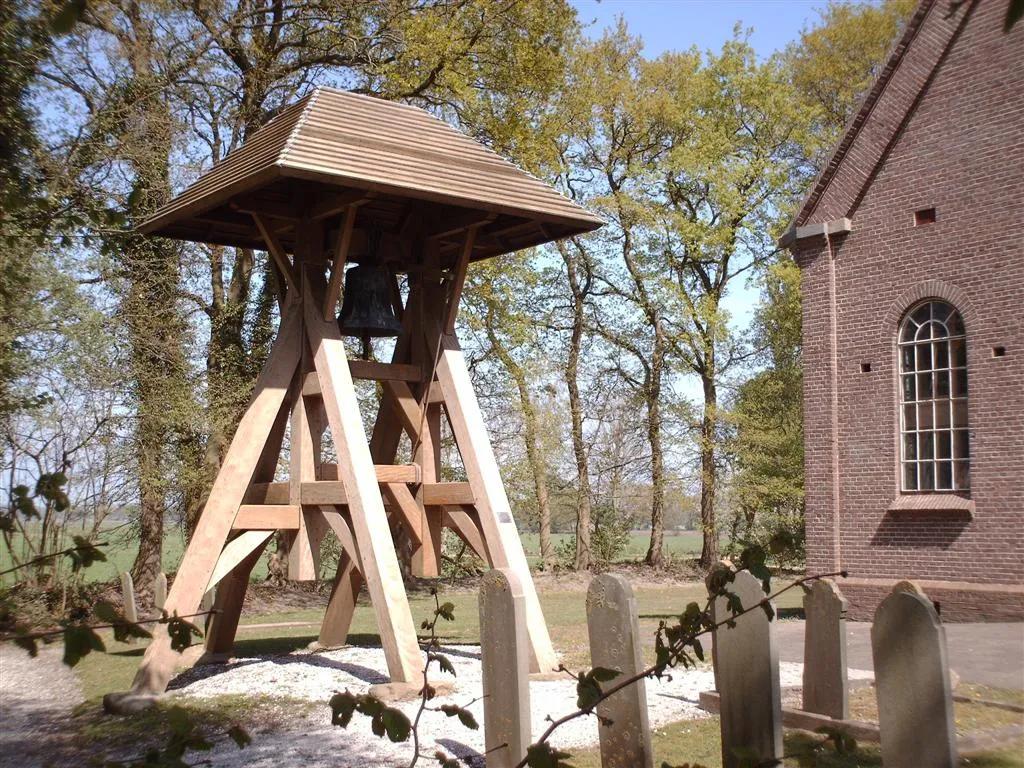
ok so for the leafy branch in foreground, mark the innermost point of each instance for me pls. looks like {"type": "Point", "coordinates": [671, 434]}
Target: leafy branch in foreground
{"type": "Point", "coordinates": [81, 639]}
{"type": "Point", "coordinates": [391, 721]}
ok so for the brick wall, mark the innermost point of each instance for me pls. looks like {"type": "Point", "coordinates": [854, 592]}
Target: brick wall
{"type": "Point", "coordinates": [960, 149]}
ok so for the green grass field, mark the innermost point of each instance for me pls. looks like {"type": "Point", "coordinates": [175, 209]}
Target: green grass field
{"type": "Point", "coordinates": [121, 548]}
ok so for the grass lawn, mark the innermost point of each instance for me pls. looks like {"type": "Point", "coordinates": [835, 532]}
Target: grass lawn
{"type": "Point", "coordinates": [121, 548]}
{"type": "Point", "coordinates": [699, 742]}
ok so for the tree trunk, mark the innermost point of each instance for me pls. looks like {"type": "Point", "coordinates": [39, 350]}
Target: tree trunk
{"type": "Point", "coordinates": [583, 556]}
{"type": "Point", "coordinates": [535, 459]}
{"type": "Point", "coordinates": [655, 552]}
{"type": "Point", "coordinates": [708, 476]}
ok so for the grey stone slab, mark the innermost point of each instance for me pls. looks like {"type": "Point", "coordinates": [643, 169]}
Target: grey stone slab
{"type": "Point", "coordinates": [825, 689]}
{"type": "Point", "coordinates": [505, 658]}
{"type": "Point", "coordinates": [915, 701]}
{"type": "Point", "coordinates": [160, 591]}
{"type": "Point", "coordinates": [614, 630]}
{"type": "Point", "coordinates": [129, 609]}
{"type": "Point", "coordinates": [748, 679]}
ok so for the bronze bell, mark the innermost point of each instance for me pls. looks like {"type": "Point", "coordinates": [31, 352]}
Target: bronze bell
{"type": "Point", "coordinates": [367, 311]}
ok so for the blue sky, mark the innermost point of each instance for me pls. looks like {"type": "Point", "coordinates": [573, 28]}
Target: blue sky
{"type": "Point", "coordinates": [679, 24]}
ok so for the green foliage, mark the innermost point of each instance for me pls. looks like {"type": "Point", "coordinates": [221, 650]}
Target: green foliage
{"type": "Point", "coordinates": [835, 61]}
{"type": "Point", "coordinates": [464, 715]}
{"type": "Point", "coordinates": [588, 686]}
{"type": "Point", "coordinates": [767, 445]}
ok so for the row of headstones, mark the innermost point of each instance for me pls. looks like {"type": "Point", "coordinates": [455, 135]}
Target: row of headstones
{"type": "Point", "coordinates": [911, 667]}
{"type": "Point", "coordinates": [908, 647]}
{"type": "Point", "coordinates": [130, 607]}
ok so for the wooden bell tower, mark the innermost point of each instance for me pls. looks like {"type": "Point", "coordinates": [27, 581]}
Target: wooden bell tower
{"type": "Point", "coordinates": [337, 179]}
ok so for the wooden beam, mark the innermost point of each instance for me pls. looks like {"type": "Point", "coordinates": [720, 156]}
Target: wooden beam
{"type": "Point", "coordinates": [302, 563]}
{"type": "Point", "coordinates": [336, 522]}
{"type": "Point", "coordinates": [370, 370]}
{"type": "Point", "coordinates": [459, 280]}
{"type": "Point", "coordinates": [324, 492]}
{"type": "Point", "coordinates": [401, 500]}
{"type": "Point", "coordinates": [333, 204]}
{"type": "Point", "coordinates": [455, 225]}
{"type": "Point", "coordinates": [442, 494]}
{"type": "Point", "coordinates": [340, 258]}
{"type": "Point", "coordinates": [267, 517]}
{"type": "Point", "coordinates": [386, 473]}
{"type": "Point", "coordinates": [266, 493]}
{"type": "Point", "coordinates": [235, 552]}
{"type": "Point", "coordinates": [261, 207]}
{"type": "Point", "coordinates": [374, 371]}
{"type": "Point", "coordinates": [220, 636]}
{"type": "Point", "coordinates": [464, 521]}
{"type": "Point", "coordinates": [207, 542]}
{"type": "Point", "coordinates": [495, 512]}
{"type": "Point", "coordinates": [369, 520]}
{"type": "Point", "coordinates": [276, 252]}
{"type": "Point", "coordinates": [342, 604]}
{"type": "Point", "coordinates": [406, 406]}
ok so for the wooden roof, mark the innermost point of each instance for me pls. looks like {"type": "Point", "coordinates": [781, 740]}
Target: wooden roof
{"type": "Point", "coordinates": [421, 177]}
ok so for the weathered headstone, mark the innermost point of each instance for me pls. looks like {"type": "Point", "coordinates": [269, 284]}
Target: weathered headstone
{"type": "Point", "coordinates": [748, 679]}
{"type": "Point", "coordinates": [505, 658]}
{"type": "Point", "coordinates": [615, 644]}
{"type": "Point", "coordinates": [825, 685]}
{"type": "Point", "coordinates": [915, 700]}
{"type": "Point", "coordinates": [160, 591]}
{"type": "Point", "coordinates": [131, 613]}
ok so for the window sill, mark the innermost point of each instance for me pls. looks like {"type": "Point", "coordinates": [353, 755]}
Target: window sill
{"type": "Point", "coordinates": [932, 502]}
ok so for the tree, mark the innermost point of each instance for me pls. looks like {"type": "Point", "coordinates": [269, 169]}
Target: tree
{"type": "Point", "coordinates": [834, 62]}
{"type": "Point", "coordinates": [768, 416]}
{"type": "Point", "coordinates": [501, 300]}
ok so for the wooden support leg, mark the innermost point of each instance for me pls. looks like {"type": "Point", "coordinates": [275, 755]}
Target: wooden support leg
{"type": "Point", "coordinates": [499, 529]}
{"type": "Point", "coordinates": [426, 560]}
{"type": "Point", "coordinates": [342, 605]}
{"type": "Point", "coordinates": [357, 473]}
{"type": "Point", "coordinates": [228, 606]}
{"type": "Point", "coordinates": [347, 584]}
{"type": "Point", "coordinates": [464, 524]}
{"type": "Point", "coordinates": [211, 532]}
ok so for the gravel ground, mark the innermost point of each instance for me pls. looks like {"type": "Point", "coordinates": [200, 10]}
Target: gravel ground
{"type": "Point", "coordinates": [312, 741]}
{"type": "Point", "coordinates": [36, 697]}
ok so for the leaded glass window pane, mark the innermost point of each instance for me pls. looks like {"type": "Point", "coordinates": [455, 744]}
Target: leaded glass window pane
{"type": "Point", "coordinates": [934, 448]}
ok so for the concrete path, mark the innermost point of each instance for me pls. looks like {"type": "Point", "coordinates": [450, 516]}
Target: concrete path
{"type": "Point", "coordinates": [988, 654]}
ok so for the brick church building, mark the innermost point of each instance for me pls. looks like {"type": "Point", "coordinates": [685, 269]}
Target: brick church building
{"type": "Point", "coordinates": [911, 248]}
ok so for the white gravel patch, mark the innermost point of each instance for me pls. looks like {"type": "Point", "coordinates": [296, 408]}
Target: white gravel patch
{"type": "Point", "coordinates": [315, 677]}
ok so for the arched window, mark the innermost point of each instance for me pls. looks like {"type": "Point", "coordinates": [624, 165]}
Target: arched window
{"type": "Point", "coordinates": [934, 455]}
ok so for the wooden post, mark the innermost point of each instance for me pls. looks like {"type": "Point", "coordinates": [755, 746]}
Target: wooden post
{"type": "Point", "coordinates": [369, 520]}
{"type": "Point", "coordinates": [204, 549]}
{"type": "Point", "coordinates": [499, 529]}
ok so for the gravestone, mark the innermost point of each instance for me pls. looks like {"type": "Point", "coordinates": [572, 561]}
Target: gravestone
{"type": "Point", "coordinates": [825, 685]}
{"type": "Point", "coordinates": [915, 700]}
{"type": "Point", "coordinates": [505, 658]}
{"type": "Point", "coordinates": [131, 613]}
{"type": "Point", "coordinates": [160, 591]}
{"type": "Point", "coordinates": [748, 679]}
{"type": "Point", "coordinates": [615, 644]}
